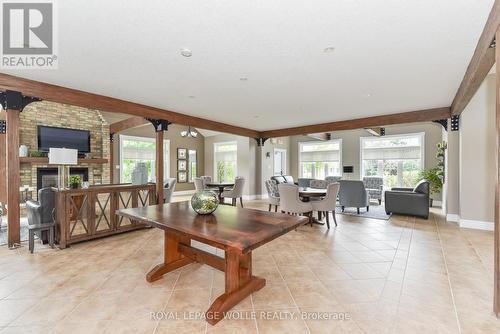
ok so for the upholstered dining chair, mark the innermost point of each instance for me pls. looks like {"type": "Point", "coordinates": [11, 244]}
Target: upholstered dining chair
{"type": "Point", "coordinates": [333, 179]}
{"type": "Point", "coordinates": [206, 179]}
{"type": "Point", "coordinates": [329, 203]}
{"type": "Point", "coordinates": [318, 184]}
{"type": "Point", "coordinates": [272, 194]}
{"type": "Point", "coordinates": [290, 201]}
{"type": "Point", "coordinates": [198, 184]}
{"type": "Point", "coordinates": [236, 192]}
{"type": "Point", "coordinates": [169, 189]}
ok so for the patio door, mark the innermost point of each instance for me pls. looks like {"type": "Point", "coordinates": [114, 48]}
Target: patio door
{"type": "Point", "coordinates": [279, 161]}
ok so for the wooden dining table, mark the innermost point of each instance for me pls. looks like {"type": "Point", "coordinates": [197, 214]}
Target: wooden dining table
{"type": "Point", "coordinates": [220, 187]}
{"type": "Point", "coordinates": [235, 230]}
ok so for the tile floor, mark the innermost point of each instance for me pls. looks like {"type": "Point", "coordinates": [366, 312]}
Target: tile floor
{"type": "Point", "coordinates": [404, 275]}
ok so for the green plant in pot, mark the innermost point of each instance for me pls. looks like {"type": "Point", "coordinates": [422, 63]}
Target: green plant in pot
{"type": "Point", "coordinates": [75, 182]}
{"type": "Point", "coordinates": [434, 176]}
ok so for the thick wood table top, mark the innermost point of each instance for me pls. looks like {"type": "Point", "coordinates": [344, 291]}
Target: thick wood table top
{"type": "Point", "coordinates": [227, 227]}
{"type": "Point", "coordinates": [219, 184]}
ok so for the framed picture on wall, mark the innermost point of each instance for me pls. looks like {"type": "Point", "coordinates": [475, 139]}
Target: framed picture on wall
{"type": "Point", "coordinates": [181, 165]}
{"type": "Point", "coordinates": [182, 177]}
{"type": "Point", "coordinates": [181, 153]}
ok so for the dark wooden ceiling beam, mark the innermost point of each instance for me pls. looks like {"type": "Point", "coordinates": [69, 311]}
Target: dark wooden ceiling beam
{"type": "Point", "coordinates": [128, 123]}
{"type": "Point", "coordinates": [54, 93]}
{"type": "Point", "coordinates": [400, 118]}
{"type": "Point", "coordinates": [481, 63]}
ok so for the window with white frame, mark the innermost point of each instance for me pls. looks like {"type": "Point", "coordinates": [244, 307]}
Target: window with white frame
{"type": "Point", "coordinates": [225, 159]}
{"type": "Point", "coordinates": [398, 158]}
{"type": "Point", "coordinates": [141, 149]}
{"type": "Point", "coordinates": [318, 160]}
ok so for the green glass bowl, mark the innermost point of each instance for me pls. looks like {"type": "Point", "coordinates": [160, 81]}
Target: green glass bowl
{"type": "Point", "coordinates": [204, 202]}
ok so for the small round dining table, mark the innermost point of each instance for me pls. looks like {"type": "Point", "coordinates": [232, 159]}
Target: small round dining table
{"type": "Point", "coordinates": [220, 186]}
{"type": "Point", "coordinates": [307, 193]}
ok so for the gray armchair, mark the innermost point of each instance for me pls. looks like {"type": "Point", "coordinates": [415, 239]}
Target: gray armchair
{"type": "Point", "coordinates": [375, 186]}
{"type": "Point", "coordinates": [42, 211]}
{"type": "Point", "coordinates": [353, 194]}
{"type": "Point", "coordinates": [304, 182]}
{"type": "Point", "coordinates": [408, 201]}
{"type": "Point", "coordinates": [169, 189]}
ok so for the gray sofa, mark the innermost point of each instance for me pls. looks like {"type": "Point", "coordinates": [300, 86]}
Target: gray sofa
{"type": "Point", "coordinates": [408, 201]}
{"type": "Point", "coordinates": [41, 211]}
{"type": "Point", "coordinates": [353, 194]}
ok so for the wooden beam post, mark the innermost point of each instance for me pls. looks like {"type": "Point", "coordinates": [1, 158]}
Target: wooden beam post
{"type": "Point", "coordinates": [3, 164]}
{"type": "Point", "coordinates": [159, 166]}
{"type": "Point", "coordinates": [496, 282]}
{"type": "Point", "coordinates": [13, 178]}
{"type": "Point", "coordinates": [111, 158]}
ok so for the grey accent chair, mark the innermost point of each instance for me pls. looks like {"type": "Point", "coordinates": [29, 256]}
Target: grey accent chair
{"type": "Point", "coordinates": [273, 194]}
{"type": "Point", "coordinates": [42, 211]}
{"type": "Point", "coordinates": [290, 202]}
{"type": "Point", "coordinates": [408, 201]}
{"type": "Point", "coordinates": [198, 184]}
{"type": "Point", "coordinates": [304, 182]}
{"type": "Point", "coordinates": [318, 184]}
{"type": "Point", "coordinates": [375, 187]}
{"type": "Point", "coordinates": [236, 192]}
{"type": "Point", "coordinates": [333, 179]}
{"type": "Point", "coordinates": [353, 194]}
{"type": "Point", "coordinates": [169, 189]}
{"type": "Point", "coordinates": [329, 203]}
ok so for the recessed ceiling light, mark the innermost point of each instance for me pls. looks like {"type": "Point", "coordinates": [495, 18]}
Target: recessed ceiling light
{"type": "Point", "coordinates": [367, 95]}
{"type": "Point", "coordinates": [243, 79]}
{"type": "Point", "coordinates": [186, 53]}
{"type": "Point", "coordinates": [329, 49]}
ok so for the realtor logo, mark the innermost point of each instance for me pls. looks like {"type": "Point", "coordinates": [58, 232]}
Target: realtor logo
{"type": "Point", "coordinates": [28, 34]}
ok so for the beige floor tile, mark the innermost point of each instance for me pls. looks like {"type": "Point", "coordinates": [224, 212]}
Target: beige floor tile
{"type": "Point", "coordinates": [189, 300]}
{"type": "Point", "coordinates": [275, 296]}
{"type": "Point", "coordinates": [281, 321]}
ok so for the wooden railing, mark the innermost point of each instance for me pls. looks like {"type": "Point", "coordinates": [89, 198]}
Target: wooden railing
{"type": "Point", "coordinates": [85, 214]}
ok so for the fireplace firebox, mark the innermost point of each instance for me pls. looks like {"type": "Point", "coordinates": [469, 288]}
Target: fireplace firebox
{"type": "Point", "coordinates": [47, 177]}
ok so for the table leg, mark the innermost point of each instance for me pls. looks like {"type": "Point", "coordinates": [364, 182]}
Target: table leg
{"type": "Point", "coordinates": [239, 284]}
{"type": "Point", "coordinates": [173, 259]}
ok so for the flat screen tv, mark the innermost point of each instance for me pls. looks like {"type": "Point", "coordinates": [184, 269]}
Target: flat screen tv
{"type": "Point", "coordinates": [49, 136]}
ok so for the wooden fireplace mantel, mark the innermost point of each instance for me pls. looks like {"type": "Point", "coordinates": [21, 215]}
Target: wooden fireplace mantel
{"type": "Point", "coordinates": [45, 160]}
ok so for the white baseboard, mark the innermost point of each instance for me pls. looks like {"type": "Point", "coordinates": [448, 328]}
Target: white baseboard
{"type": "Point", "coordinates": [252, 197]}
{"type": "Point", "coordinates": [477, 224]}
{"type": "Point", "coordinates": [183, 192]}
{"type": "Point", "coordinates": [451, 217]}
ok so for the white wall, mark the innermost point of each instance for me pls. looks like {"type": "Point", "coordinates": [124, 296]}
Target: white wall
{"type": "Point", "coordinates": [477, 157]}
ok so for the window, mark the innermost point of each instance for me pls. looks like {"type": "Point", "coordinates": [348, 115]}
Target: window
{"type": "Point", "coordinates": [192, 163]}
{"type": "Point", "coordinates": [398, 159]}
{"type": "Point", "coordinates": [225, 156]}
{"type": "Point", "coordinates": [141, 149]}
{"type": "Point", "coordinates": [279, 162]}
{"type": "Point", "coordinates": [318, 160]}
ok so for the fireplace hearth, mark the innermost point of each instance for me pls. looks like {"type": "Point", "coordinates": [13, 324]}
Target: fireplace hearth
{"type": "Point", "coordinates": [47, 177]}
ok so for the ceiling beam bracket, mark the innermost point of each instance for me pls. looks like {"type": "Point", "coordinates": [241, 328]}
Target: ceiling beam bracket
{"type": "Point", "coordinates": [159, 124]}
{"type": "Point", "coordinates": [443, 122]}
{"type": "Point", "coordinates": [382, 132]}
{"type": "Point", "coordinates": [3, 127]}
{"type": "Point", "coordinates": [14, 100]}
{"type": "Point", "coordinates": [261, 141]}
{"type": "Point", "coordinates": [455, 122]}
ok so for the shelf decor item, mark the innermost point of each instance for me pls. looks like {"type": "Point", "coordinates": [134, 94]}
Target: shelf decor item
{"type": "Point", "coordinates": [204, 202]}
{"type": "Point", "coordinates": [75, 182]}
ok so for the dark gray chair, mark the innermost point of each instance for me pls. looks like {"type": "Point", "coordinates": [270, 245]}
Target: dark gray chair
{"type": "Point", "coordinates": [41, 211]}
{"type": "Point", "coordinates": [408, 201]}
{"type": "Point", "coordinates": [353, 194]}
{"type": "Point", "coordinates": [304, 182]}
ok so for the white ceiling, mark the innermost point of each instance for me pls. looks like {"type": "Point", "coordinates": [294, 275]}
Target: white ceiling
{"type": "Point", "coordinates": [390, 56]}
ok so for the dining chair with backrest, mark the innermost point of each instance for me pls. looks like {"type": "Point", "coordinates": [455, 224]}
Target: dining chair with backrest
{"type": "Point", "coordinates": [290, 200]}
{"type": "Point", "coordinates": [206, 179]}
{"type": "Point", "coordinates": [333, 179]}
{"type": "Point", "coordinates": [353, 194]}
{"type": "Point", "coordinates": [236, 192]}
{"type": "Point", "coordinates": [272, 194]}
{"type": "Point", "coordinates": [169, 189]}
{"type": "Point", "coordinates": [198, 184]}
{"type": "Point", "coordinates": [318, 184]}
{"type": "Point", "coordinates": [329, 203]}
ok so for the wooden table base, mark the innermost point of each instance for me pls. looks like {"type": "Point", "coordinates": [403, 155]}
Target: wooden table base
{"type": "Point", "coordinates": [240, 282]}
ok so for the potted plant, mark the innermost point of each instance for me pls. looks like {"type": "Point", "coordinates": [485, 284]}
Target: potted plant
{"type": "Point", "coordinates": [434, 176]}
{"type": "Point", "coordinates": [75, 182]}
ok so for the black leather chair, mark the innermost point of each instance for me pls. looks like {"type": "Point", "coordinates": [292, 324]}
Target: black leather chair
{"type": "Point", "coordinates": [408, 201]}
{"type": "Point", "coordinates": [41, 211]}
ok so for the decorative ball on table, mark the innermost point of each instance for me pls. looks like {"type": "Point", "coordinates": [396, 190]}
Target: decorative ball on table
{"type": "Point", "coordinates": [204, 202]}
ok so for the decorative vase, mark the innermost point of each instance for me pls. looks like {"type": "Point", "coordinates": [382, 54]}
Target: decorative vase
{"type": "Point", "coordinates": [204, 202]}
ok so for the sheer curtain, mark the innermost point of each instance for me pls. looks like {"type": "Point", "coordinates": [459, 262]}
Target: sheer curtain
{"type": "Point", "coordinates": [318, 160]}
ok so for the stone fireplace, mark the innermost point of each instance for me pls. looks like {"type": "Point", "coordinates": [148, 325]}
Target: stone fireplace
{"type": "Point", "coordinates": [47, 177]}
